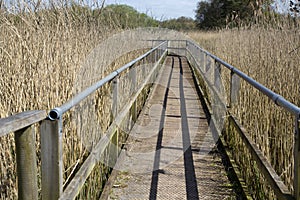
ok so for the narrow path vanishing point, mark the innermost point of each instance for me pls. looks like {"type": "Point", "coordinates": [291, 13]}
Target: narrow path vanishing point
{"type": "Point", "coordinates": [171, 153]}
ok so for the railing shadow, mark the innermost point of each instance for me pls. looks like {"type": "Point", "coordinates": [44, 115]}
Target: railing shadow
{"type": "Point", "coordinates": [189, 169]}
{"type": "Point", "coordinates": [156, 170]}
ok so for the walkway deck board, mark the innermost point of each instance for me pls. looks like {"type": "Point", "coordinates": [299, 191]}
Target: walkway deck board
{"type": "Point", "coordinates": [170, 152]}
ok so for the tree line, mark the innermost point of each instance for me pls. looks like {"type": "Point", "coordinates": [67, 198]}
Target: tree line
{"type": "Point", "coordinates": [125, 16]}
{"type": "Point", "coordinates": [209, 14]}
{"type": "Point", "coordinates": [212, 14]}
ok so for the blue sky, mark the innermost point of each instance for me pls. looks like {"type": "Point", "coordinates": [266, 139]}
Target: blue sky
{"type": "Point", "coordinates": [161, 9]}
{"type": "Point", "coordinates": [167, 9]}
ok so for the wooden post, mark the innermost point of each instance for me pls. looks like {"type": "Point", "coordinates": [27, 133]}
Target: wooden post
{"type": "Point", "coordinates": [115, 91]}
{"type": "Point", "coordinates": [115, 114]}
{"type": "Point", "coordinates": [113, 149]}
{"type": "Point", "coordinates": [52, 159]}
{"type": "Point", "coordinates": [153, 57]}
{"type": "Point", "coordinates": [132, 91]}
{"type": "Point", "coordinates": [297, 160]}
{"type": "Point", "coordinates": [217, 76]}
{"type": "Point", "coordinates": [186, 47]}
{"type": "Point", "coordinates": [159, 54]}
{"type": "Point", "coordinates": [230, 90]}
{"type": "Point", "coordinates": [143, 70]}
{"type": "Point", "coordinates": [209, 70]}
{"type": "Point", "coordinates": [26, 163]}
{"type": "Point", "coordinates": [234, 89]}
{"type": "Point", "coordinates": [203, 67]}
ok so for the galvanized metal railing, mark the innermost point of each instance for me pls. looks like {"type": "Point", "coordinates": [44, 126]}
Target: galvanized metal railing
{"type": "Point", "coordinates": [57, 112]}
{"type": "Point", "coordinates": [201, 60]}
{"type": "Point", "coordinates": [276, 98]}
{"type": "Point", "coordinates": [51, 129]}
{"type": "Point", "coordinates": [52, 171]}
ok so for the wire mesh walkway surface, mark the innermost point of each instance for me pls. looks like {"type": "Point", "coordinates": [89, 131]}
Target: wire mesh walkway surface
{"type": "Point", "coordinates": [170, 153]}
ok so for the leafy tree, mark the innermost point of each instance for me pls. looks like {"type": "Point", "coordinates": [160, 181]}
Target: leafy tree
{"type": "Point", "coordinates": [125, 16]}
{"type": "Point", "coordinates": [182, 23]}
{"type": "Point", "coordinates": [210, 14]}
{"type": "Point", "coordinates": [295, 7]}
{"type": "Point", "coordinates": [221, 13]}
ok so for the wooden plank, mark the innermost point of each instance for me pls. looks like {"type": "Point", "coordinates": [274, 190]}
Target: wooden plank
{"type": "Point", "coordinates": [265, 167]}
{"type": "Point", "coordinates": [78, 181]}
{"type": "Point", "coordinates": [20, 120]}
{"type": "Point", "coordinates": [177, 148]}
{"type": "Point", "coordinates": [51, 156]}
{"type": "Point", "coordinates": [26, 163]}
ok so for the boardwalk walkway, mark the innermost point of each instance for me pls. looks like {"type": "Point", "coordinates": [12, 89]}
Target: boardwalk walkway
{"type": "Point", "coordinates": [170, 152]}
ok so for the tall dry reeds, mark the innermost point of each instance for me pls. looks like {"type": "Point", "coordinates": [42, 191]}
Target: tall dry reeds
{"type": "Point", "coordinates": [269, 53]}
{"type": "Point", "coordinates": [49, 55]}
{"type": "Point", "coordinates": [40, 55]}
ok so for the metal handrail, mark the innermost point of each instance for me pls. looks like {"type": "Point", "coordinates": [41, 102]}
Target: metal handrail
{"type": "Point", "coordinates": [22, 123]}
{"type": "Point", "coordinates": [280, 189]}
{"type": "Point", "coordinates": [57, 112]}
{"type": "Point", "coordinates": [276, 98]}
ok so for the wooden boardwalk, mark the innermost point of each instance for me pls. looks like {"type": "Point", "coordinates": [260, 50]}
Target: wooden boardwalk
{"type": "Point", "coordinates": [170, 153]}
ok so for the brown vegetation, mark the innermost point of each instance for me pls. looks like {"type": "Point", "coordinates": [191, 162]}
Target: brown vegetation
{"type": "Point", "coordinates": [270, 55]}
{"type": "Point", "coordinates": [41, 53]}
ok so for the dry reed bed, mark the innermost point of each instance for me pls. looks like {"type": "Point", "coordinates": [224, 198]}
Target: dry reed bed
{"type": "Point", "coordinates": [41, 53]}
{"type": "Point", "coordinates": [270, 56]}
{"type": "Point", "coordinates": [45, 59]}
{"type": "Point", "coordinates": [40, 58]}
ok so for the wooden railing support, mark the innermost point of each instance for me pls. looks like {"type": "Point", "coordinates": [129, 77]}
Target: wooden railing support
{"type": "Point", "coordinates": [26, 163]}
{"type": "Point", "coordinates": [234, 89]}
{"type": "Point", "coordinates": [132, 92]}
{"type": "Point", "coordinates": [22, 124]}
{"type": "Point", "coordinates": [230, 100]}
{"type": "Point", "coordinates": [115, 92]}
{"type": "Point", "coordinates": [51, 156]}
{"type": "Point", "coordinates": [217, 76]}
